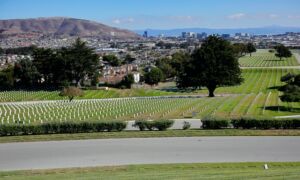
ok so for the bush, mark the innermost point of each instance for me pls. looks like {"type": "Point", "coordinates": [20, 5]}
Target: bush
{"type": "Point", "coordinates": [215, 123]}
{"type": "Point", "coordinates": [64, 127]}
{"type": "Point", "coordinates": [160, 125]}
{"type": "Point", "coordinates": [186, 125]}
{"type": "Point", "coordinates": [141, 124]}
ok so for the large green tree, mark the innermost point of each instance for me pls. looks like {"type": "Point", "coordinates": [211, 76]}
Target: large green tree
{"type": "Point", "coordinates": [213, 65]}
{"type": "Point", "coordinates": [282, 52]}
{"type": "Point", "coordinates": [250, 48]}
{"type": "Point", "coordinates": [165, 66]}
{"type": "Point", "coordinates": [171, 67]}
{"type": "Point", "coordinates": [291, 90]}
{"type": "Point", "coordinates": [7, 78]}
{"type": "Point", "coordinates": [81, 61]}
{"type": "Point", "coordinates": [154, 76]}
{"type": "Point", "coordinates": [112, 60]}
{"type": "Point", "coordinates": [239, 49]}
{"type": "Point", "coordinates": [26, 73]}
{"type": "Point", "coordinates": [45, 61]}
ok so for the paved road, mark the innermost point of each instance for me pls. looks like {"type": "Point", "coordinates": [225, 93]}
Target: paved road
{"type": "Point", "coordinates": [41, 155]}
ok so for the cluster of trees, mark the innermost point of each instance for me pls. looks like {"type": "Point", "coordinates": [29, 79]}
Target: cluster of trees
{"type": "Point", "coordinates": [19, 50]}
{"type": "Point", "coordinates": [240, 49]}
{"type": "Point", "coordinates": [282, 52]}
{"type": "Point", "coordinates": [54, 68]}
{"type": "Point", "coordinates": [291, 90]}
{"type": "Point", "coordinates": [213, 65]}
{"type": "Point", "coordinates": [114, 61]}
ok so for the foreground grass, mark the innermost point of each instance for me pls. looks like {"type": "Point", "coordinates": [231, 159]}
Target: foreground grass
{"type": "Point", "coordinates": [149, 134]}
{"type": "Point", "coordinates": [289, 170]}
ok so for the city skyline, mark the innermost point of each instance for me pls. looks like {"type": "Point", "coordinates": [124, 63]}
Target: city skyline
{"type": "Point", "coordinates": [142, 14]}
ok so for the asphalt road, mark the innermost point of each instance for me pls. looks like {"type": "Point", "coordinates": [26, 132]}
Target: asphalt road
{"type": "Point", "coordinates": [83, 153]}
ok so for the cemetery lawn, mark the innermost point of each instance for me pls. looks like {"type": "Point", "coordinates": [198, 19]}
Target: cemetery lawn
{"type": "Point", "coordinates": [263, 58]}
{"type": "Point", "coordinates": [249, 170]}
{"type": "Point", "coordinates": [149, 134]}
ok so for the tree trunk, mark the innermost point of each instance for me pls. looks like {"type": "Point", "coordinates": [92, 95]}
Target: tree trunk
{"type": "Point", "coordinates": [211, 89]}
{"type": "Point", "coordinates": [71, 98]}
{"type": "Point", "coordinates": [250, 54]}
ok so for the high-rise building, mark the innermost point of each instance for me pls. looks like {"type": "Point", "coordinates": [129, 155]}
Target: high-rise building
{"type": "Point", "coordinates": [225, 36]}
{"type": "Point", "coordinates": [145, 35]}
{"type": "Point", "coordinates": [202, 35]}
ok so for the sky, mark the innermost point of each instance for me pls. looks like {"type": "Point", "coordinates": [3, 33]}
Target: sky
{"type": "Point", "coordinates": [162, 14]}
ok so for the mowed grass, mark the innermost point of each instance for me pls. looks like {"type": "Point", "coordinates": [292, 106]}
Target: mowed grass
{"type": "Point", "coordinates": [266, 59]}
{"type": "Point", "coordinates": [253, 170]}
{"type": "Point", "coordinates": [257, 96]}
{"type": "Point", "coordinates": [262, 104]}
{"type": "Point", "coordinates": [255, 81]}
{"type": "Point", "coordinates": [149, 134]}
{"type": "Point", "coordinates": [23, 95]}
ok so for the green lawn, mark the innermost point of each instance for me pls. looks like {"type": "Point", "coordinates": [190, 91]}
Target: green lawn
{"type": "Point", "coordinates": [148, 134]}
{"type": "Point", "coordinates": [266, 59]}
{"type": "Point", "coordinates": [278, 170]}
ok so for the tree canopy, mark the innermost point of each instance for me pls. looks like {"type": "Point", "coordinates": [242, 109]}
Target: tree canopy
{"type": "Point", "coordinates": [250, 48]}
{"type": "Point", "coordinates": [291, 90]}
{"type": "Point", "coordinates": [282, 52]}
{"type": "Point", "coordinates": [57, 67]}
{"type": "Point", "coordinates": [154, 76]}
{"type": "Point", "coordinates": [112, 60]}
{"type": "Point", "coordinates": [213, 65]}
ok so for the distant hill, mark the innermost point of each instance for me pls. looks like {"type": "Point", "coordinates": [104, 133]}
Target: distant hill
{"type": "Point", "coordinates": [269, 30]}
{"type": "Point", "coordinates": [63, 26]}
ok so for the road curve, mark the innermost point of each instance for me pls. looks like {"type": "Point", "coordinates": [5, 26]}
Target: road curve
{"type": "Point", "coordinates": [83, 153]}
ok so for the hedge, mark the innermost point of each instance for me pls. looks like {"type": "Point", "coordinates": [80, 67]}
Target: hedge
{"type": "Point", "coordinates": [160, 125]}
{"type": "Point", "coordinates": [253, 123]}
{"type": "Point", "coordinates": [215, 123]}
{"type": "Point", "coordinates": [250, 123]}
{"type": "Point", "coordinates": [64, 127]}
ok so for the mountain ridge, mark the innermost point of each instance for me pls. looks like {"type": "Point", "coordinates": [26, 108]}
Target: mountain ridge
{"type": "Point", "coordinates": [63, 26]}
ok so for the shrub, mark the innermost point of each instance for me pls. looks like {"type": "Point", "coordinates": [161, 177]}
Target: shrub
{"type": "Point", "coordinates": [160, 125]}
{"type": "Point", "coordinates": [215, 123]}
{"type": "Point", "coordinates": [141, 124]}
{"type": "Point", "coordinates": [186, 125]}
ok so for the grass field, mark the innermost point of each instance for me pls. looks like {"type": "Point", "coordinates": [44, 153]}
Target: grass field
{"type": "Point", "coordinates": [278, 170]}
{"type": "Point", "coordinates": [255, 81]}
{"type": "Point", "coordinates": [263, 58]}
{"type": "Point", "coordinates": [149, 134]}
{"type": "Point", "coordinates": [262, 104]}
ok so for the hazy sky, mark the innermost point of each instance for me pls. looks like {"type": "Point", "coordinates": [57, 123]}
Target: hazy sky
{"type": "Point", "coordinates": [163, 14]}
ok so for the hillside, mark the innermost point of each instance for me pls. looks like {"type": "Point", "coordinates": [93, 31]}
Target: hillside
{"type": "Point", "coordinates": [63, 26]}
